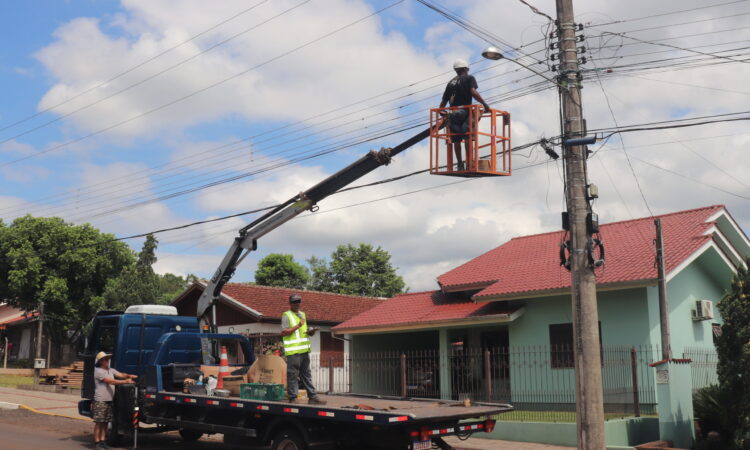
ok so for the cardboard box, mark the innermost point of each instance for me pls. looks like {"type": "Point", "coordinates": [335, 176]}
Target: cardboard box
{"type": "Point", "coordinates": [269, 369]}
{"type": "Point", "coordinates": [232, 384]}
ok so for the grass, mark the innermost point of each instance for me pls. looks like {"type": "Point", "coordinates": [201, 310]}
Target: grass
{"type": "Point", "coordinates": [548, 416]}
{"type": "Point", "coordinates": [14, 380]}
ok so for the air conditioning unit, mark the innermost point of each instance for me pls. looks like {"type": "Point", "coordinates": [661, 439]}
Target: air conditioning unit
{"type": "Point", "coordinates": [704, 310]}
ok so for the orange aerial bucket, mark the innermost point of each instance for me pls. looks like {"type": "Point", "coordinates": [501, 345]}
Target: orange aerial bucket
{"type": "Point", "coordinates": [483, 137]}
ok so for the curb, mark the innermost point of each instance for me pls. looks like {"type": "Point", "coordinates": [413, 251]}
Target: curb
{"type": "Point", "coordinates": [6, 405]}
{"type": "Point", "coordinates": [28, 408]}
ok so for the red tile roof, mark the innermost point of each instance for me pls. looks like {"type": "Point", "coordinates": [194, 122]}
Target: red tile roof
{"type": "Point", "coordinates": [430, 307]}
{"type": "Point", "coordinates": [10, 314]}
{"type": "Point", "coordinates": [532, 264]}
{"type": "Point", "coordinates": [318, 306]}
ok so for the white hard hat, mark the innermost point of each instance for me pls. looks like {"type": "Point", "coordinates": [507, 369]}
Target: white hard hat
{"type": "Point", "coordinates": [460, 64]}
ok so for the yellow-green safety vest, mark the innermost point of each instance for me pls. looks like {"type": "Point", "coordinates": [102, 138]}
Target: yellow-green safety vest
{"type": "Point", "coordinates": [297, 342]}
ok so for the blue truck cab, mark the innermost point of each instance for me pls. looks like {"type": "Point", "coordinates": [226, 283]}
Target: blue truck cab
{"type": "Point", "coordinates": [131, 337]}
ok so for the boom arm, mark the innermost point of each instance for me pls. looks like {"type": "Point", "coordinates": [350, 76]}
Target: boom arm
{"type": "Point", "coordinates": [247, 240]}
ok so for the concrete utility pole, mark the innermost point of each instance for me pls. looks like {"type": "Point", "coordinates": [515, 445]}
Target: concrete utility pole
{"type": "Point", "coordinates": [666, 346]}
{"type": "Point", "coordinates": [39, 328]}
{"type": "Point", "coordinates": [589, 396]}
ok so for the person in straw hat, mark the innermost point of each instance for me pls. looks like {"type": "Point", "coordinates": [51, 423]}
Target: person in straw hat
{"type": "Point", "coordinates": [105, 379]}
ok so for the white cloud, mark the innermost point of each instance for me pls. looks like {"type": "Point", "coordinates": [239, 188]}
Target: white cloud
{"type": "Point", "coordinates": [321, 76]}
{"type": "Point", "coordinates": [428, 232]}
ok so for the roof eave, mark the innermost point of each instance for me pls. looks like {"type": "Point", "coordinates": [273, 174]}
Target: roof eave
{"type": "Point", "coordinates": [478, 320]}
{"type": "Point", "coordinates": [563, 291]}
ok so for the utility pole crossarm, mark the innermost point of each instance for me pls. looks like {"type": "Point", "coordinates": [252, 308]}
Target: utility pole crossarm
{"type": "Point", "coordinates": [247, 240]}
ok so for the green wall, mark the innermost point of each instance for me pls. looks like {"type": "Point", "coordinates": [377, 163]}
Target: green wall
{"type": "Point", "coordinates": [624, 322]}
{"type": "Point", "coordinates": [705, 279]}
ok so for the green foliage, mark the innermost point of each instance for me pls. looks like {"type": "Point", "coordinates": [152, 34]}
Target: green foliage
{"type": "Point", "coordinates": [709, 406]}
{"type": "Point", "coordinates": [137, 284]}
{"type": "Point", "coordinates": [733, 348]}
{"type": "Point", "coordinates": [171, 286]}
{"type": "Point", "coordinates": [66, 266]}
{"type": "Point", "coordinates": [281, 271]}
{"type": "Point", "coordinates": [361, 270]}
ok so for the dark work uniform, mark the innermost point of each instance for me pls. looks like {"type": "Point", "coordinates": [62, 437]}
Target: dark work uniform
{"type": "Point", "coordinates": [458, 93]}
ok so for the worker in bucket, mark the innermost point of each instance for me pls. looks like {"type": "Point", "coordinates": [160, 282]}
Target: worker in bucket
{"type": "Point", "coordinates": [296, 338]}
{"type": "Point", "coordinates": [459, 92]}
{"type": "Point", "coordinates": [105, 379]}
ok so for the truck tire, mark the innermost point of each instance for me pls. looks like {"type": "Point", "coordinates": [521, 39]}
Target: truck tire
{"type": "Point", "coordinates": [288, 439]}
{"type": "Point", "coordinates": [190, 435]}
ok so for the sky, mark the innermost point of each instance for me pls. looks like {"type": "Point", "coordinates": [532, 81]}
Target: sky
{"type": "Point", "coordinates": [138, 115]}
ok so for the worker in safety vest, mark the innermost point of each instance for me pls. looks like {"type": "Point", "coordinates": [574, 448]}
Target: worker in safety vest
{"type": "Point", "coordinates": [297, 346]}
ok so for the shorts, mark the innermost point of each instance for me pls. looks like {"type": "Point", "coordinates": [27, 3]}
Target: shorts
{"type": "Point", "coordinates": [459, 124]}
{"type": "Point", "coordinates": [101, 411]}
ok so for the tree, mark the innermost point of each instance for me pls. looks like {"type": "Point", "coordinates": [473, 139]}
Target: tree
{"type": "Point", "coordinates": [171, 286]}
{"type": "Point", "coordinates": [281, 271]}
{"type": "Point", "coordinates": [64, 265]}
{"type": "Point", "coordinates": [361, 270]}
{"type": "Point", "coordinates": [137, 284]}
{"type": "Point", "coordinates": [733, 348]}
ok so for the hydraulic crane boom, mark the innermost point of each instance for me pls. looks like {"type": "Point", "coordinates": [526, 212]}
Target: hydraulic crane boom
{"type": "Point", "coordinates": [247, 240]}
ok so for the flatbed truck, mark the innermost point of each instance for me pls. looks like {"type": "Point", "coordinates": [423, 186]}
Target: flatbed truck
{"type": "Point", "coordinates": [162, 348]}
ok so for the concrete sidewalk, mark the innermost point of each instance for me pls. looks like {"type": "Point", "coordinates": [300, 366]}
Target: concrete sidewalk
{"type": "Point", "coordinates": [493, 444]}
{"type": "Point", "coordinates": [46, 402]}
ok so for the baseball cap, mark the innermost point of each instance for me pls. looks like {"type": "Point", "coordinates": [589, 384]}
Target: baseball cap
{"type": "Point", "coordinates": [295, 298]}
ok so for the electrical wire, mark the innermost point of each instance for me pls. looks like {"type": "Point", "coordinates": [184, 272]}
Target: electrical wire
{"type": "Point", "coordinates": [152, 76]}
{"type": "Point", "coordinates": [199, 91]}
{"type": "Point", "coordinates": [651, 16]}
{"type": "Point", "coordinates": [135, 67]}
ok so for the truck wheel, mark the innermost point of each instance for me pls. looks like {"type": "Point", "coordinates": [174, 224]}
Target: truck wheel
{"type": "Point", "coordinates": [288, 440]}
{"type": "Point", "coordinates": [190, 435]}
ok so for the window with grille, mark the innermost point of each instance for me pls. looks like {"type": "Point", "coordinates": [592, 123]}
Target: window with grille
{"type": "Point", "coordinates": [561, 345]}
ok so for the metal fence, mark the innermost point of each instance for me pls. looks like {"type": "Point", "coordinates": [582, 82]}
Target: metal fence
{"type": "Point", "coordinates": [539, 381]}
{"type": "Point", "coordinates": [703, 366]}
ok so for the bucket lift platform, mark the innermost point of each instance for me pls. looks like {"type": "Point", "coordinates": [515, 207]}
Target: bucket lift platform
{"type": "Point", "coordinates": [487, 140]}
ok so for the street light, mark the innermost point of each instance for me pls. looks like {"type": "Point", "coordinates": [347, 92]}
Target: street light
{"type": "Point", "coordinates": [492, 53]}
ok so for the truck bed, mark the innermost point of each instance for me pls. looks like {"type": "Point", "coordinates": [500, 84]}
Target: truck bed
{"type": "Point", "coordinates": [339, 407]}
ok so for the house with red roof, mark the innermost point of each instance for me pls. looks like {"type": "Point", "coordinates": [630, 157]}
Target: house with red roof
{"type": "Point", "coordinates": [255, 311]}
{"type": "Point", "coordinates": [18, 327]}
{"type": "Point", "coordinates": [516, 298]}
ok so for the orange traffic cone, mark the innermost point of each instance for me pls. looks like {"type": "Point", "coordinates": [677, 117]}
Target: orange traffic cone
{"type": "Point", "coordinates": [223, 367]}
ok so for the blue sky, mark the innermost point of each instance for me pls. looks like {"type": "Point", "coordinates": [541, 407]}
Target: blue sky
{"type": "Point", "coordinates": [392, 66]}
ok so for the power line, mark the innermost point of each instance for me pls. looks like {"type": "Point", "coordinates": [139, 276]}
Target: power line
{"type": "Point", "coordinates": [108, 200]}
{"type": "Point", "coordinates": [624, 148]}
{"type": "Point", "coordinates": [152, 76]}
{"type": "Point", "coordinates": [132, 68]}
{"type": "Point", "coordinates": [651, 16]}
{"type": "Point", "coordinates": [199, 91]}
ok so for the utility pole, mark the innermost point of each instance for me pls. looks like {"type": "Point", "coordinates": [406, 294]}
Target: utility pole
{"type": "Point", "coordinates": [666, 346]}
{"type": "Point", "coordinates": [39, 328]}
{"type": "Point", "coordinates": [582, 224]}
